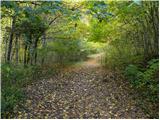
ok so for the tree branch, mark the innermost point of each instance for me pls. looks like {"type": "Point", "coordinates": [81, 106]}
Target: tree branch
{"type": "Point", "coordinates": [54, 19]}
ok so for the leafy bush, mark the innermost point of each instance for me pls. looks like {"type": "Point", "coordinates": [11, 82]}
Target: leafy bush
{"type": "Point", "coordinates": [16, 74]}
{"type": "Point", "coordinates": [14, 78]}
{"type": "Point", "coordinates": [65, 51]}
{"type": "Point", "coordinates": [116, 57]}
{"type": "Point", "coordinates": [133, 74]}
{"type": "Point", "coordinates": [9, 98]}
{"type": "Point", "coordinates": [146, 82]}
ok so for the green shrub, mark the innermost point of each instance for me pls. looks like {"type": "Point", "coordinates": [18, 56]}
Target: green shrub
{"type": "Point", "coordinates": [116, 57]}
{"type": "Point", "coordinates": [94, 47]}
{"type": "Point", "coordinates": [133, 74]}
{"type": "Point", "coordinates": [10, 97]}
{"type": "Point", "coordinates": [145, 80]}
{"type": "Point", "coordinates": [14, 78]}
{"type": "Point", "coordinates": [65, 51]}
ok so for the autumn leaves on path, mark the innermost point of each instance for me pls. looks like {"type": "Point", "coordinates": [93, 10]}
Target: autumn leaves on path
{"type": "Point", "coordinates": [85, 91]}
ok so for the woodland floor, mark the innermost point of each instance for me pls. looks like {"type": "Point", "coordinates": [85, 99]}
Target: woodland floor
{"type": "Point", "coordinates": [86, 90]}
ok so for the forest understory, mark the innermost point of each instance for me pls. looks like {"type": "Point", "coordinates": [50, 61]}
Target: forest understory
{"type": "Point", "coordinates": [82, 91]}
{"type": "Point", "coordinates": [80, 59]}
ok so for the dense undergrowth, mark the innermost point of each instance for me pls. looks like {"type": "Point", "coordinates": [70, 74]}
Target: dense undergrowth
{"type": "Point", "coordinates": [14, 79]}
{"type": "Point", "coordinates": [142, 74]}
{"type": "Point", "coordinates": [133, 49]}
{"type": "Point", "coordinates": [16, 76]}
{"type": "Point", "coordinates": [146, 81]}
{"type": "Point", "coordinates": [143, 77]}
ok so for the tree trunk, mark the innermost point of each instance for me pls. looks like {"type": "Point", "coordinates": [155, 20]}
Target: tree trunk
{"type": "Point", "coordinates": [11, 40]}
{"type": "Point", "coordinates": [6, 43]}
{"type": "Point", "coordinates": [28, 55]}
{"type": "Point", "coordinates": [25, 54]}
{"type": "Point", "coordinates": [44, 45]}
{"type": "Point", "coordinates": [35, 50]}
{"type": "Point", "coordinates": [17, 48]}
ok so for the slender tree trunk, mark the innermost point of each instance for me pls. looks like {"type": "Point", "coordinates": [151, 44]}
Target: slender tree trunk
{"type": "Point", "coordinates": [13, 53]}
{"type": "Point", "coordinates": [17, 49]}
{"type": "Point", "coordinates": [35, 50]}
{"type": "Point", "coordinates": [44, 45]}
{"type": "Point", "coordinates": [20, 44]}
{"type": "Point", "coordinates": [31, 53]}
{"type": "Point", "coordinates": [25, 54]}
{"type": "Point", "coordinates": [6, 43]}
{"type": "Point", "coordinates": [11, 40]}
{"type": "Point", "coordinates": [28, 55]}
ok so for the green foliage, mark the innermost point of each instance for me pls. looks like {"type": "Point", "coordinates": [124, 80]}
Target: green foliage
{"type": "Point", "coordinates": [98, 9]}
{"type": "Point", "coordinates": [12, 74]}
{"type": "Point", "coordinates": [134, 75]}
{"type": "Point", "coordinates": [65, 51]}
{"type": "Point", "coordinates": [116, 57]}
{"type": "Point", "coordinates": [145, 80]}
{"type": "Point", "coordinates": [98, 33]}
{"type": "Point", "coordinates": [70, 51]}
{"type": "Point", "coordinates": [10, 97]}
{"type": "Point", "coordinates": [47, 33]}
{"type": "Point", "coordinates": [94, 47]}
{"type": "Point", "coordinates": [14, 78]}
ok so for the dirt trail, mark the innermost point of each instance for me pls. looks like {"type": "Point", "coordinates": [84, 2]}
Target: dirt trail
{"type": "Point", "coordinates": [85, 91]}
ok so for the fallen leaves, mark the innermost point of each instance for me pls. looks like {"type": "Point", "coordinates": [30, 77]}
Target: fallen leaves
{"type": "Point", "coordinates": [82, 92]}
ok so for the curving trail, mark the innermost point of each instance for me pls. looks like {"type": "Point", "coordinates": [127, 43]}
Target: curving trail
{"type": "Point", "coordinates": [81, 91]}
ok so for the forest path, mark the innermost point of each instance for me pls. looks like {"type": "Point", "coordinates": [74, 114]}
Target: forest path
{"type": "Point", "coordinates": [82, 91]}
